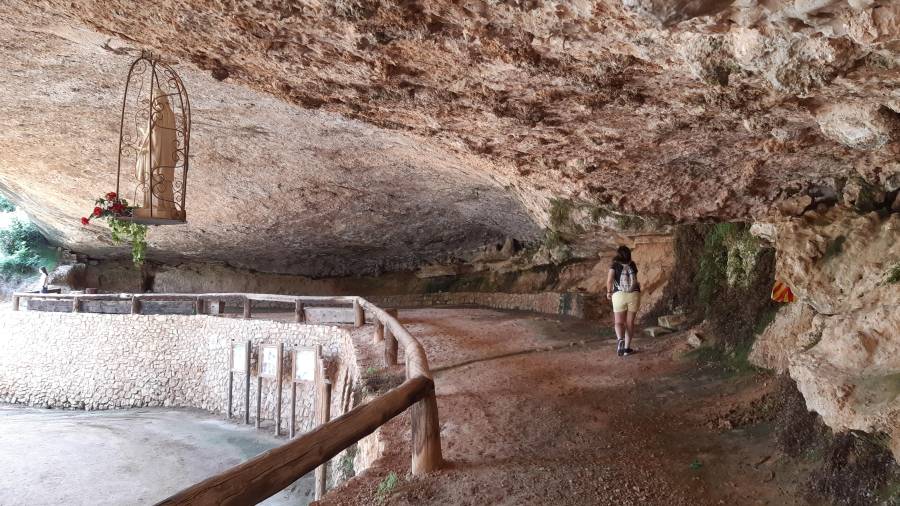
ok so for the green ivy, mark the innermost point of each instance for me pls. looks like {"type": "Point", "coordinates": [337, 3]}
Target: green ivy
{"type": "Point", "coordinates": [129, 231]}
{"type": "Point", "coordinates": [729, 257]}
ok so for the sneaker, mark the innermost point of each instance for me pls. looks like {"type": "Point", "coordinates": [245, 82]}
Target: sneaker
{"type": "Point", "coordinates": [627, 351]}
{"type": "Point", "coordinates": [620, 347]}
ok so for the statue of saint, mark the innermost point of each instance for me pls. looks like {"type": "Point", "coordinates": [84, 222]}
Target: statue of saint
{"type": "Point", "coordinates": [155, 171]}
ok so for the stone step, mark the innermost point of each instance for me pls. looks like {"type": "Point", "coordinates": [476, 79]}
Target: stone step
{"type": "Point", "coordinates": [657, 331]}
{"type": "Point", "coordinates": [672, 321]}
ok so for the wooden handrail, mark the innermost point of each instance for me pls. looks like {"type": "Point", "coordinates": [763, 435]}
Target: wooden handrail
{"type": "Point", "coordinates": [270, 472]}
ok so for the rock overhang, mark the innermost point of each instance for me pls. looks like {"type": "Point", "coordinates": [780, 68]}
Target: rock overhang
{"type": "Point", "coordinates": [706, 111]}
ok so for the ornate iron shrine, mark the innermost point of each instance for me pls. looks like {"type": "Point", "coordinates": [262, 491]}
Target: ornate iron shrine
{"type": "Point", "coordinates": [154, 142]}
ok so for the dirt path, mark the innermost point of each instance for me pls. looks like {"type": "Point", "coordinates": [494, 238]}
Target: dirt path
{"type": "Point", "coordinates": [575, 424]}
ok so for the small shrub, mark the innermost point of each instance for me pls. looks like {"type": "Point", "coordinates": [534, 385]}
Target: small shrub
{"type": "Point", "coordinates": [5, 205]}
{"type": "Point", "coordinates": [560, 213]}
{"type": "Point", "coordinates": [894, 274]}
{"type": "Point", "coordinates": [386, 487]}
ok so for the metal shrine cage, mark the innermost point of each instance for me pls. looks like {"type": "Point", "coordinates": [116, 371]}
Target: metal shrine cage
{"type": "Point", "coordinates": [154, 143]}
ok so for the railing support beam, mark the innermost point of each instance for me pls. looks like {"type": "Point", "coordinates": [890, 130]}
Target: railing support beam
{"type": "Point", "coordinates": [426, 436]}
{"type": "Point", "coordinates": [359, 314]}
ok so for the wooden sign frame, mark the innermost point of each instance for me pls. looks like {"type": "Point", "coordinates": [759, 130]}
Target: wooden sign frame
{"type": "Point", "coordinates": [245, 361]}
{"type": "Point", "coordinates": [317, 375]}
{"type": "Point", "coordinates": [245, 370]}
{"type": "Point", "coordinates": [277, 351]}
{"type": "Point", "coordinates": [316, 352]}
{"type": "Point", "coordinates": [277, 375]}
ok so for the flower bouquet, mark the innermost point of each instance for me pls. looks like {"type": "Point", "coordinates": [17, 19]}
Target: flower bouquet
{"type": "Point", "coordinates": [112, 208]}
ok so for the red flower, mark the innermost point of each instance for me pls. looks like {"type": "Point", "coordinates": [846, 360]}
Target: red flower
{"type": "Point", "coordinates": [85, 221]}
{"type": "Point", "coordinates": [98, 211]}
{"type": "Point", "coordinates": [110, 195]}
{"type": "Point", "coordinates": [118, 208]}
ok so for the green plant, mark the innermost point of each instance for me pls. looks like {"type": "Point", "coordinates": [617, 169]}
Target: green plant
{"type": "Point", "coordinates": [19, 235]}
{"type": "Point", "coordinates": [560, 213]}
{"type": "Point", "coordinates": [113, 209]}
{"type": "Point", "coordinates": [629, 222]}
{"type": "Point", "coordinates": [22, 250]}
{"type": "Point", "coordinates": [5, 205]}
{"type": "Point", "coordinates": [345, 464]}
{"type": "Point", "coordinates": [894, 274]}
{"type": "Point", "coordinates": [386, 486]}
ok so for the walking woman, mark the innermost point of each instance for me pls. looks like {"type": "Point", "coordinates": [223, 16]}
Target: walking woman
{"type": "Point", "coordinates": [623, 289]}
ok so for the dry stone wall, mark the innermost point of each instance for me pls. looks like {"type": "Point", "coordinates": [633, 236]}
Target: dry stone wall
{"type": "Point", "coordinates": [102, 361]}
{"type": "Point", "coordinates": [578, 305]}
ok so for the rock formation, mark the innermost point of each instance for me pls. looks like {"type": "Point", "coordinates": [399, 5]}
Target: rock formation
{"type": "Point", "coordinates": [841, 340]}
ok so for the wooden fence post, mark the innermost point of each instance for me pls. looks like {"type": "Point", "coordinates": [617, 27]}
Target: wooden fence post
{"type": "Point", "coordinates": [278, 384]}
{"type": "Point", "coordinates": [426, 435]}
{"type": "Point", "coordinates": [247, 384]}
{"type": "Point", "coordinates": [199, 306]}
{"type": "Point", "coordinates": [230, 384]}
{"type": "Point", "coordinates": [359, 314]}
{"type": "Point", "coordinates": [390, 348]}
{"type": "Point", "coordinates": [324, 417]}
{"type": "Point", "coordinates": [291, 425]}
{"type": "Point", "coordinates": [379, 332]}
{"type": "Point", "coordinates": [246, 307]}
{"type": "Point", "coordinates": [15, 302]}
{"type": "Point", "coordinates": [258, 397]}
{"type": "Point", "coordinates": [76, 305]}
{"type": "Point", "coordinates": [135, 305]}
{"type": "Point", "coordinates": [299, 312]}
{"type": "Point", "coordinates": [390, 342]}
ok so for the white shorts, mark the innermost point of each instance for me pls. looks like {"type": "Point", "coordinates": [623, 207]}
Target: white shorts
{"type": "Point", "coordinates": [626, 301]}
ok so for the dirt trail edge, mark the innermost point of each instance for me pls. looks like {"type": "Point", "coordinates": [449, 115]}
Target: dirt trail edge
{"type": "Point", "coordinates": [536, 410]}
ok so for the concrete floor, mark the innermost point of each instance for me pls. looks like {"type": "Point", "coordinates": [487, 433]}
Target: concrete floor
{"type": "Point", "coordinates": [122, 457]}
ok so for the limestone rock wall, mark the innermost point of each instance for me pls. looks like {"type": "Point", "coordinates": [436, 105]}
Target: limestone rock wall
{"type": "Point", "coordinates": [841, 340]}
{"type": "Point", "coordinates": [95, 361]}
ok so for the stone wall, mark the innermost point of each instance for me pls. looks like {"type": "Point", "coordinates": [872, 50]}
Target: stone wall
{"type": "Point", "coordinates": [102, 361]}
{"type": "Point", "coordinates": [578, 305]}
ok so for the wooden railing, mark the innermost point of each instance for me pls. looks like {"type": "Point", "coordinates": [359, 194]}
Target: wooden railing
{"type": "Point", "coordinates": [272, 471]}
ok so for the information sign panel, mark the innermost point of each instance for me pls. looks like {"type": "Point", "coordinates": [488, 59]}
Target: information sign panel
{"type": "Point", "coordinates": [305, 364]}
{"type": "Point", "coordinates": [239, 357]}
{"type": "Point", "coordinates": [268, 361]}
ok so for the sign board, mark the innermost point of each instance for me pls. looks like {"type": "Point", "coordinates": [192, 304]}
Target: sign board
{"type": "Point", "coordinates": [305, 364]}
{"type": "Point", "coordinates": [239, 357]}
{"type": "Point", "coordinates": [269, 361]}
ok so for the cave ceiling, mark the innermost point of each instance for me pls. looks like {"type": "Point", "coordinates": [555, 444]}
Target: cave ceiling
{"type": "Point", "coordinates": [363, 136]}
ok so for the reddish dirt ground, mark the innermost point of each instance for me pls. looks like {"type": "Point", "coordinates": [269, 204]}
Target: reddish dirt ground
{"type": "Point", "coordinates": [536, 410]}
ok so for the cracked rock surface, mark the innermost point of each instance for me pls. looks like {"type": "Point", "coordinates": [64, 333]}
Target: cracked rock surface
{"type": "Point", "coordinates": [466, 118]}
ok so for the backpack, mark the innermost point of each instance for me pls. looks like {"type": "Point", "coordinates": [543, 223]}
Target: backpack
{"type": "Point", "coordinates": [626, 282]}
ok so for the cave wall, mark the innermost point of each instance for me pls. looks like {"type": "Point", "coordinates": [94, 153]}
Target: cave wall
{"type": "Point", "coordinates": [841, 340]}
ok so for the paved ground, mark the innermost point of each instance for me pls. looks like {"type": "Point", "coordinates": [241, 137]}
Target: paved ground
{"type": "Point", "coordinates": [50, 457]}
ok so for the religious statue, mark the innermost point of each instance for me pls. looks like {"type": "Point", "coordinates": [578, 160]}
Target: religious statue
{"type": "Point", "coordinates": [155, 171]}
